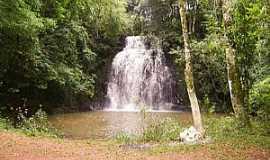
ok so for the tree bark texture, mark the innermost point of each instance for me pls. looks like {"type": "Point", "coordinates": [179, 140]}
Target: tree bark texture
{"type": "Point", "coordinates": [237, 97]}
{"type": "Point", "coordinates": [188, 70]}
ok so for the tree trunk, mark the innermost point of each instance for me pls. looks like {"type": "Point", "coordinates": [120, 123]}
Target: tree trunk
{"type": "Point", "coordinates": [237, 97]}
{"type": "Point", "coordinates": [188, 70]}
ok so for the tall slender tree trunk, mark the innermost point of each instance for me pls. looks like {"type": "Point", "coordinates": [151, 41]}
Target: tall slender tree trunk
{"type": "Point", "coordinates": [188, 70]}
{"type": "Point", "coordinates": [195, 14]}
{"type": "Point", "coordinates": [237, 97]}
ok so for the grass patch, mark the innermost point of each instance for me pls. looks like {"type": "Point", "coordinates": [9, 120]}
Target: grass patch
{"type": "Point", "coordinates": [179, 148]}
{"type": "Point", "coordinates": [125, 138]}
{"type": "Point", "coordinates": [228, 130]}
{"type": "Point", "coordinates": [5, 124]}
{"type": "Point", "coordinates": [162, 131]}
{"type": "Point", "coordinates": [166, 130]}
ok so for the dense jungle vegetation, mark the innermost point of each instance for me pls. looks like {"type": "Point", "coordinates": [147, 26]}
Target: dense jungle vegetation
{"type": "Point", "coordinates": [55, 54]}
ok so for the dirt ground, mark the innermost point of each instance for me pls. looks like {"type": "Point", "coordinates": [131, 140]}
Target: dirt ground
{"type": "Point", "coordinates": [14, 146]}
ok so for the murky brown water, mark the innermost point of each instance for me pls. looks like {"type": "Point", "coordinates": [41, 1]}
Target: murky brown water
{"type": "Point", "coordinates": [103, 124]}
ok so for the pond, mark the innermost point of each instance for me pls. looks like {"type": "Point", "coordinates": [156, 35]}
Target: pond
{"type": "Point", "coordinates": [106, 124]}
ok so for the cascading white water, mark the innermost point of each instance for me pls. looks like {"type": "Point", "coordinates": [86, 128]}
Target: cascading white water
{"type": "Point", "coordinates": [140, 78]}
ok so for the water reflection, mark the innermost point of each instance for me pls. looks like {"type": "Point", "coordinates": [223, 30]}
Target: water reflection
{"type": "Point", "coordinates": [107, 124]}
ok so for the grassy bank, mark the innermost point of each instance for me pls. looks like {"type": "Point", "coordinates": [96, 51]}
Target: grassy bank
{"type": "Point", "coordinates": [219, 129]}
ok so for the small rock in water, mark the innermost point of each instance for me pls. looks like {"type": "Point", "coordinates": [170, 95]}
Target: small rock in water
{"type": "Point", "coordinates": [190, 136]}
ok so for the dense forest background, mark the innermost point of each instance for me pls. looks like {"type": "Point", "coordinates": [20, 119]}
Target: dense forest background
{"type": "Point", "coordinates": [56, 54]}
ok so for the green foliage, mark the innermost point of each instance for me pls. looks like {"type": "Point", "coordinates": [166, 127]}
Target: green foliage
{"type": "Point", "coordinates": [165, 130]}
{"type": "Point", "coordinates": [20, 17]}
{"type": "Point", "coordinates": [37, 125]}
{"type": "Point", "coordinates": [209, 70]}
{"type": "Point", "coordinates": [260, 99]}
{"type": "Point", "coordinates": [69, 67]}
{"type": "Point", "coordinates": [159, 131]}
{"type": "Point", "coordinates": [219, 128]}
{"type": "Point", "coordinates": [207, 106]}
{"type": "Point", "coordinates": [50, 50]}
{"type": "Point", "coordinates": [249, 22]}
{"type": "Point", "coordinates": [5, 124]}
{"type": "Point", "coordinates": [159, 18]}
{"type": "Point", "coordinates": [249, 36]}
{"type": "Point", "coordinates": [229, 129]}
{"type": "Point", "coordinates": [125, 138]}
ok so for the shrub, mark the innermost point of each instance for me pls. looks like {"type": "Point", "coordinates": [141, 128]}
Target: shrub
{"type": "Point", "coordinates": [4, 124]}
{"type": "Point", "coordinates": [229, 129]}
{"type": "Point", "coordinates": [260, 99]}
{"type": "Point", "coordinates": [221, 127]}
{"type": "Point", "coordinates": [38, 125]}
{"type": "Point", "coordinates": [207, 106]}
{"type": "Point", "coordinates": [165, 130]}
{"type": "Point", "coordinates": [125, 138]}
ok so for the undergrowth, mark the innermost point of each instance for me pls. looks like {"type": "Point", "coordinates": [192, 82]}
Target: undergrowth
{"type": "Point", "coordinates": [36, 125]}
{"type": "Point", "coordinates": [221, 129]}
{"type": "Point", "coordinates": [228, 130]}
{"type": "Point", "coordinates": [162, 131]}
{"type": "Point", "coordinates": [159, 131]}
{"type": "Point", "coordinates": [4, 124]}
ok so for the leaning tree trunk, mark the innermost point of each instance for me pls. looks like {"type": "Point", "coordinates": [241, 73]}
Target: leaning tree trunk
{"type": "Point", "coordinates": [237, 97]}
{"type": "Point", "coordinates": [188, 71]}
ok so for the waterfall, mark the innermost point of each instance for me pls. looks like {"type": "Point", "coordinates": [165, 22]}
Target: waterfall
{"type": "Point", "coordinates": [140, 78]}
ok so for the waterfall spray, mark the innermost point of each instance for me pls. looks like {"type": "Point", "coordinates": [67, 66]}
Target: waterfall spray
{"type": "Point", "coordinates": [140, 78]}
